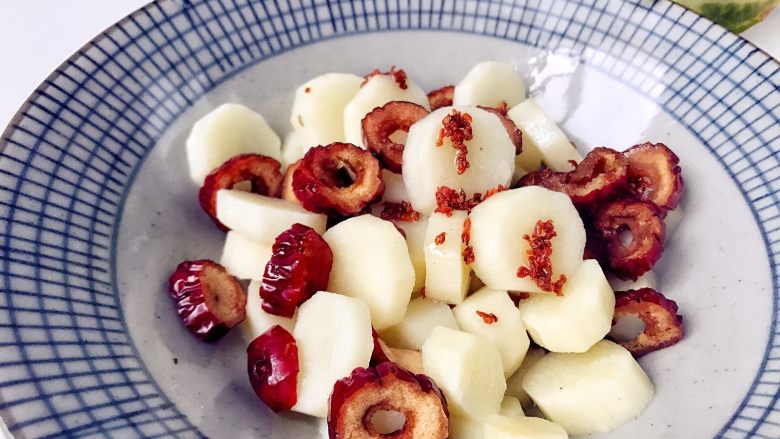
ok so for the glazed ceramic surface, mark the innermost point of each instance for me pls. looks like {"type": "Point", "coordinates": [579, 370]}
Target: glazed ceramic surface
{"type": "Point", "coordinates": [97, 207]}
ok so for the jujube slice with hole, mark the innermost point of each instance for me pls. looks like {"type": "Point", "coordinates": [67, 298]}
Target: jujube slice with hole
{"type": "Point", "coordinates": [382, 122]}
{"type": "Point", "coordinates": [663, 325]}
{"type": "Point", "coordinates": [601, 175]}
{"type": "Point", "coordinates": [654, 175]}
{"type": "Point", "coordinates": [644, 223]}
{"type": "Point", "coordinates": [387, 387]}
{"type": "Point", "coordinates": [339, 179]}
{"type": "Point", "coordinates": [208, 300]}
{"type": "Point", "coordinates": [263, 173]}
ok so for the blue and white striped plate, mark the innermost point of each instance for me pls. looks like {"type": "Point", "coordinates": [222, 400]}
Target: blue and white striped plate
{"type": "Point", "coordinates": [96, 206]}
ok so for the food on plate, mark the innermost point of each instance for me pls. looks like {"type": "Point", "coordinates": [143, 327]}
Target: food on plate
{"type": "Point", "coordinates": [543, 140]}
{"type": "Point", "coordinates": [339, 178]}
{"type": "Point", "coordinates": [654, 175]}
{"type": "Point", "coordinates": [441, 97]}
{"type": "Point", "coordinates": [488, 151]}
{"type": "Point", "coordinates": [299, 267]}
{"type": "Point", "coordinates": [630, 257]}
{"type": "Point", "coordinates": [263, 174]}
{"type": "Point", "coordinates": [512, 225]}
{"type": "Point", "coordinates": [272, 365]}
{"type": "Point", "coordinates": [257, 320]}
{"type": "Point", "coordinates": [514, 427]}
{"type": "Point", "coordinates": [589, 392]}
{"type": "Point", "coordinates": [318, 108]}
{"type": "Point", "coordinates": [490, 84]}
{"type": "Point", "coordinates": [227, 131]}
{"type": "Point", "coordinates": [408, 359]}
{"type": "Point", "coordinates": [514, 384]}
{"type": "Point", "coordinates": [357, 400]}
{"type": "Point", "coordinates": [208, 300]}
{"type": "Point", "coordinates": [371, 262]}
{"type": "Point", "coordinates": [414, 232]}
{"type": "Point", "coordinates": [576, 320]}
{"type": "Point", "coordinates": [422, 315]}
{"type": "Point", "coordinates": [467, 370]}
{"type": "Point", "coordinates": [376, 90]}
{"type": "Point", "coordinates": [598, 177]}
{"type": "Point", "coordinates": [262, 218]}
{"type": "Point", "coordinates": [333, 334]}
{"type": "Point", "coordinates": [515, 135]}
{"type": "Point", "coordinates": [244, 257]}
{"type": "Point", "coordinates": [663, 327]}
{"type": "Point", "coordinates": [447, 274]}
{"type": "Point", "coordinates": [491, 315]}
{"type": "Point", "coordinates": [511, 407]}
{"type": "Point", "coordinates": [433, 266]}
{"type": "Point", "coordinates": [381, 128]}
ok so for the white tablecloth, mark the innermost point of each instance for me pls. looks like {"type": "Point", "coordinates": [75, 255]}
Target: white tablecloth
{"type": "Point", "coordinates": [37, 35]}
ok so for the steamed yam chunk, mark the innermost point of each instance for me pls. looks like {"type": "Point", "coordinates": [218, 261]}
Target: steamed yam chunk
{"type": "Point", "coordinates": [263, 218]}
{"type": "Point", "coordinates": [505, 427]}
{"type": "Point", "coordinates": [371, 262]}
{"type": "Point", "coordinates": [426, 167]}
{"type": "Point", "coordinates": [258, 321]}
{"type": "Point", "coordinates": [422, 315]}
{"type": "Point", "coordinates": [293, 148]}
{"type": "Point", "coordinates": [490, 84]}
{"type": "Point", "coordinates": [395, 191]}
{"type": "Point", "coordinates": [514, 384]}
{"type": "Point", "coordinates": [498, 227]}
{"type": "Point", "coordinates": [447, 276]}
{"type": "Point", "coordinates": [576, 320]}
{"type": "Point", "coordinates": [492, 315]}
{"type": "Point", "coordinates": [227, 131]}
{"type": "Point", "coordinates": [415, 243]}
{"type": "Point", "coordinates": [467, 370]}
{"type": "Point", "coordinates": [376, 92]}
{"type": "Point", "coordinates": [511, 407]}
{"type": "Point", "coordinates": [333, 334]}
{"type": "Point", "coordinates": [318, 109]}
{"type": "Point", "coordinates": [591, 392]}
{"type": "Point", "coordinates": [462, 427]}
{"type": "Point", "coordinates": [244, 257]}
{"type": "Point", "coordinates": [542, 138]}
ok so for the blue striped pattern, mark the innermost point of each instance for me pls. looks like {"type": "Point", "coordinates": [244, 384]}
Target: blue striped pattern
{"type": "Point", "coordinates": [67, 364]}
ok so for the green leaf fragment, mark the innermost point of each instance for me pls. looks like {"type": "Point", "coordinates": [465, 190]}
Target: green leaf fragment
{"type": "Point", "coordinates": [735, 15]}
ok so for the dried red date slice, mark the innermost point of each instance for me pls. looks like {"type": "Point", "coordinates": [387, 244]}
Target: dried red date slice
{"type": "Point", "coordinates": [272, 365]}
{"type": "Point", "coordinates": [263, 173]}
{"type": "Point", "coordinates": [287, 186]}
{"type": "Point", "coordinates": [338, 179]}
{"type": "Point", "coordinates": [441, 97]}
{"type": "Point", "coordinates": [633, 235]}
{"type": "Point", "coordinates": [387, 388]}
{"type": "Point", "coordinates": [515, 135]}
{"type": "Point", "coordinates": [381, 123]}
{"type": "Point", "coordinates": [208, 300]}
{"type": "Point", "coordinates": [299, 267]}
{"type": "Point", "coordinates": [663, 326]}
{"type": "Point", "coordinates": [601, 175]}
{"type": "Point", "coordinates": [654, 175]}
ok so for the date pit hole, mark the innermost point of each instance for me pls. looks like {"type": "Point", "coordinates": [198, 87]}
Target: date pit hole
{"type": "Point", "coordinates": [627, 328]}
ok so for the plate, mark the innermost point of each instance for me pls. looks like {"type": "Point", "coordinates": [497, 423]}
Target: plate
{"type": "Point", "coordinates": [97, 208]}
